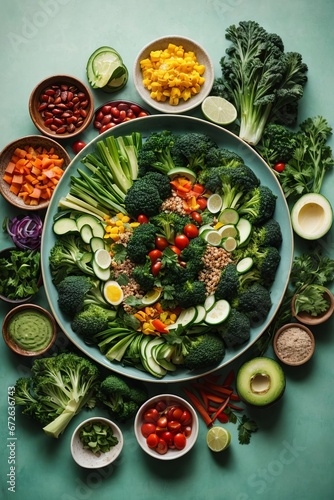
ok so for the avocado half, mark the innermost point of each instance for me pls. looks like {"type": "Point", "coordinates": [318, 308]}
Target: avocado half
{"type": "Point", "coordinates": [260, 382]}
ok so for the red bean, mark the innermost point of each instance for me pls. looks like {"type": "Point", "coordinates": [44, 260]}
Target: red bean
{"type": "Point", "coordinates": [115, 114]}
{"type": "Point", "coordinates": [105, 110]}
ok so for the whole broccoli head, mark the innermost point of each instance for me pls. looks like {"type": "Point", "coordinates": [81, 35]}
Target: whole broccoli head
{"type": "Point", "coordinates": [155, 153]}
{"type": "Point", "coordinates": [235, 330]}
{"type": "Point", "coordinates": [203, 351]}
{"type": "Point", "coordinates": [120, 397]}
{"type": "Point", "coordinates": [259, 206]}
{"type": "Point", "coordinates": [143, 197]}
{"type": "Point", "coordinates": [255, 302]}
{"type": "Point", "coordinates": [59, 387]}
{"type": "Point", "coordinates": [141, 243]}
{"type": "Point", "coordinates": [190, 150]}
{"type": "Point", "coordinates": [92, 320]}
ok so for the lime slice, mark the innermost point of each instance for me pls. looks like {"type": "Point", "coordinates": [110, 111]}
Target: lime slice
{"type": "Point", "coordinates": [228, 216]}
{"type": "Point", "coordinates": [218, 438]}
{"type": "Point", "coordinates": [229, 244]}
{"type": "Point", "coordinates": [102, 66]}
{"type": "Point", "coordinates": [214, 203]}
{"type": "Point", "coordinates": [102, 258]}
{"type": "Point", "coordinates": [212, 237]}
{"type": "Point", "coordinates": [151, 297]}
{"type": "Point", "coordinates": [219, 110]}
{"type": "Point", "coordinates": [228, 230]}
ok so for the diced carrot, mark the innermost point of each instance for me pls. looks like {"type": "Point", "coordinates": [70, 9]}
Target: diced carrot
{"type": "Point", "coordinates": [15, 188]}
{"type": "Point", "coordinates": [36, 171]}
{"type": "Point", "coordinates": [10, 167]}
{"type": "Point", "coordinates": [8, 178]}
{"type": "Point", "coordinates": [17, 179]}
{"type": "Point", "coordinates": [36, 193]}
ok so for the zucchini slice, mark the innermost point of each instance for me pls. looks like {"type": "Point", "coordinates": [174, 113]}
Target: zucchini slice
{"type": "Point", "coordinates": [218, 313]}
{"type": "Point", "coordinates": [244, 265]}
{"type": "Point", "coordinates": [65, 225]}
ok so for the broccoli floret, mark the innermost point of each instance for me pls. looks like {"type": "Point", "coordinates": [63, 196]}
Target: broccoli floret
{"type": "Point", "coordinates": [65, 258]}
{"type": "Point", "coordinates": [141, 243]}
{"type": "Point", "coordinates": [255, 302]}
{"type": "Point", "coordinates": [192, 293]}
{"type": "Point", "coordinates": [193, 255]}
{"type": "Point", "coordinates": [121, 399]}
{"type": "Point", "coordinates": [266, 260]}
{"type": "Point", "coordinates": [260, 205]}
{"type": "Point", "coordinates": [169, 224]}
{"type": "Point", "coordinates": [218, 157]}
{"type": "Point", "coordinates": [190, 150]}
{"type": "Point", "coordinates": [77, 291]}
{"type": "Point", "coordinates": [235, 330]}
{"type": "Point", "coordinates": [161, 182]}
{"type": "Point", "coordinates": [277, 144]}
{"type": "Point", "coordinates": [155, 153]}
{"type": "Point", "coordinates": [203, 351]}
{"type": "Point", "coordinates": [268, 235]}
{"type": "Point", "coordinates": [233, 183]}
{"type": "Point", "coordinates": [142, 274]}
{"type": "Point", "coordinates": [142, 198]}
{"type": "Point", "coordinates": [59, 387]}
{"type": "Point", "coordinates": [92, 320]}
{"type": "Point", "coordinates": [231, 282]}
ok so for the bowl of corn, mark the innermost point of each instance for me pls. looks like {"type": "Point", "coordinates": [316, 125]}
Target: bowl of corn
{"type": "Point", "coordinates": [173, 74]}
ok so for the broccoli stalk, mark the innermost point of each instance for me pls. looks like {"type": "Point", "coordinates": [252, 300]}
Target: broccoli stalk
{"type": "Point", "coordinates": [261, 80]}
{"type": "Point", "coordinates": [58, 389]}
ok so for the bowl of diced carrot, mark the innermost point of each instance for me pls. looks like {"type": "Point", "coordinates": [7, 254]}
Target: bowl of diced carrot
{"type": "Point", "coordinates": [30, 170]}
{"type": "Point", "coordinates": [173, 74]}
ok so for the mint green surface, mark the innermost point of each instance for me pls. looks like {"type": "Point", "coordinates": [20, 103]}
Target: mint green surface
{"type": "Point", "coordinates": [291, 456]}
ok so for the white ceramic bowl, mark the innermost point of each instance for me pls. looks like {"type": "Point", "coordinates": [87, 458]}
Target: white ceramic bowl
{"type": "Point", "coordinates": [202, 58]}
{"type": "Point", "coordinates": [170, 399]}
{"type": "Point", "coordinates": [86, 458]}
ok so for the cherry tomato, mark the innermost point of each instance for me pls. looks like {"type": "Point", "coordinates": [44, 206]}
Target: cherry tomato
{"type": "Point", "coordinates": [154, 255]}
{"type": "Point", "coordinates": [161, 406]}
{"type": "Point", "coordinates": [201, 202]}
{"type": "Point", "coordinates": [180, 440]}
{"type": "Point", "coordinates": [142, 219]}
{"type": "Point", "coordinates": [147, 429]}
{"type": "Point", "coordinates": [162, 421]}
{"type": "Point", "coordinates": [190, 230]}
{"type": "Point", "coordinates": [196, 216]}
{"type": "Point", "coordinates": [168, 437]}
{"type": "Point", "coordinates": [185, 418]}
{"type": "Point", "coordinates": [279, 167]}
{"type": "Point", "coordinates": [156, 267]}
{"type": "Point", "coordinates": [177, 414]}
{"type": "Point", "coordinates": [161, 243]}
{"type": "Point", "coordinates": [151, 415]}
{"type": "Point", "coordinates": [198, 188]}
{"type": "Point", "coordinates": [152, 440]}
{"type": "Point", "coordinates": [162, 447]}
{"type": "Point", "coordinates": [175, 249]}
{"type": "Point", "coordinates": [173, 426]}
{"type": "Point", "coordinates": [181, 241]}
{"type": "Point", "coordinates": [78, 146]}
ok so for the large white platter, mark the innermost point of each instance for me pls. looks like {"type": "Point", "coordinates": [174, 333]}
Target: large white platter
{"type": "Point", "coordinates": [176, 124]}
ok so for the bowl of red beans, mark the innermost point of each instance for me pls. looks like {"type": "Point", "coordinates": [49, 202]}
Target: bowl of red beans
{"type": "Point", "coordinates": [113, 113]}
{"type": "Point", "coordinates": [61, 106]}
{"type": "Point", "coordinates": [166, 427]}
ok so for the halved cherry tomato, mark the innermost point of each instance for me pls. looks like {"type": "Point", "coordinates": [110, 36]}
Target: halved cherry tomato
{"type": "Point", "coordinates": [154, 255]}
{"type": "Point", "coordinates": [175, 249]}
{"type": "Point", "coordinates": [162, 421]}
{"type": "Point", "coordinates": [156, 267]}
{"type": "Point", "coordinates": [142, 219]}
{"type": "Point", "coordinates": [181, 241]}
{"type": "Point", "coordinates": [196, 216]}
{"type": "Point", "coordinates": [162, 447]}
{"type": "Point", "coordinates": [180, 441]}
{"type": "Point", "coordinates": [152, 440]}
{"type": "Point", "coordinates": [173, 426]}
{"type": "Point", "coordinates": [148, 428]}
{"type": "Point", "coordinates": [190, 230]}
{"type": "Point", "coordinates": [161, 243]}
{"type": "Point", "coordinates": [151, 415]}
{"type": "Point", "coordinates": [201, 202]}
{"type": "Point", "coordinates": [185, 418]}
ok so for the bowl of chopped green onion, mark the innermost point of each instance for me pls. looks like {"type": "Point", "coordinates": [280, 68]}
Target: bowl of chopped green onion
{"type": "Point", "coordinates": [96, 442]}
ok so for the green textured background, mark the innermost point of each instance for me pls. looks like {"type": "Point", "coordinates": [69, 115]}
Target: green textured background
{"type": "Point", "coordinates": [291, 456]}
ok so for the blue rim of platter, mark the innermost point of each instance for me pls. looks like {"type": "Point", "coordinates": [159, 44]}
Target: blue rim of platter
{"type": "Point", "coordinates": [176, 124]}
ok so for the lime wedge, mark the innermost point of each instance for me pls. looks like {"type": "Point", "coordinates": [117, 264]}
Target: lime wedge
{"type": "Point", "coordinates": [218, 438]}
{"type": "Point", "coordinates": [219, 110]}
{"type": "Point", "coordinates": [151, 297]}
{"type": "Point", "coordinates": [214, 203]}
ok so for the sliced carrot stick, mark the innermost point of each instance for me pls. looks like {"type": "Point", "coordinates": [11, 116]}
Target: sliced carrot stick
{"type": "Point", "coordinates": [199, 407]}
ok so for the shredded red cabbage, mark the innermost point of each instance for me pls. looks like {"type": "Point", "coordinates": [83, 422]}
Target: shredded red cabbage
{"type": "Point", "coordinates": [26, 231]}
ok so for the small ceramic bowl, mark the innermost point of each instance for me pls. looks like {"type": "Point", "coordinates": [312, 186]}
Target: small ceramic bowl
{"type": "Point", "coordinates": [29, 330]}
{"type": "Point", "coordinates": [61, 106]}
{"type": "Point", "coordinates": [294, 344]}
{"type": "Point", "coordinates": [6, 254]}
{"type": "Point", "coordinates": [308, 319]}
{"type": "Point", "coordinates": [189, 46]}
{"type": "Point", "coordinates": [115, 112]}
{"type": "Point", "coordinates": [6, 155]}
{"type": "Point", "coordinates": [87, 458]}
{"type": "Point", "coordinates": [169, 400]}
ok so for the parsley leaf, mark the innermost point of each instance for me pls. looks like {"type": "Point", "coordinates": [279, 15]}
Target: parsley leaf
{"type": "Point", "coordinates": [245, 428]}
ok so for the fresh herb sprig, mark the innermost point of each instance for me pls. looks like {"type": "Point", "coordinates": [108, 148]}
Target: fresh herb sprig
{"type": "Point", "coordinates": [246, 426]}
{"type": "Point", "coordinates": [19, 273]}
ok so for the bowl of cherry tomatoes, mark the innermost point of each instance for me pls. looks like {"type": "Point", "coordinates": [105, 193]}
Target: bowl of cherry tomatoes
{"type": "Point", "coordinates": [166, 427]}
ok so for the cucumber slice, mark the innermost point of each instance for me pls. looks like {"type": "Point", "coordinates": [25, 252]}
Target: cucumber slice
{"type": "Point", "coordinates": [117, 81]}
{"type": "Point", "coordinates": [161, 360]}
{"type": "Point", "coordinates": [86, 258]}
{"type": "Point", "coordinates": [65, 225]}
{"type": "Point", "coordinates": [187, 316]}
{"type": "Point", "coordinates": [86, 233]}
{"type": "Point", "coordinates": [228, 230]}
{"type": "Point", "coordinates": [148, 360]}
{"type": "Point", "coordinates": [212, 237]}
{"type": "Point", "coordinates": [96, 243]}
{"type": "Point", "coordinates": [228, 216]}
{"type": "Point", "coordinates": [229, 244]}
{"type": "Point", "coordinates": [95, 224]}
{"type": "Point", "coordinates": [244, 228]}
{"type": "Point", "coordinates": [182, 172]}
{"type": "Point", "coordinates": [200, 314]}
{"type": "Point", "coordinates": [209, 302]}
{"type": "Point", "coordinates": [101, 66]}
{"type": "Point", "coordinates": [100, 273]}
{"type": "Point", "coordinates": [214, 204]}
{"type": "Point", "coordinates": [244, 265]}
{"type": "Point", "coordinates": [205, 227]}
{"type": "Point", "coordinates": [102, 258]}
{"type": "Point", "coordinates": [218, 313]}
